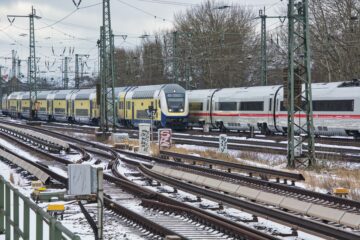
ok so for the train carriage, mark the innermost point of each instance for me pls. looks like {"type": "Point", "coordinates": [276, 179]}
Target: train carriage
{"type": "Point", "coordinates": [42, 101]}
{"type": "Point", "coordinates": [168, 101]}
{"type": "Point", "coordinates": [25, 110]}
{"type": "Point", "coordinates": [336, 109]}
{"type": "Point", "coordinates": [62, 105]}
{"type": "Point", "coordinates": [84, 102]}
{"type": "Point", "coordinates": [13, 104]}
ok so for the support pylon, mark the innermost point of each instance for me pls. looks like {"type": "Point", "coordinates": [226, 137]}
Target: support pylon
{"type": "Point", "coordinates": [263, 73]}
{"type": "Point", "coordinates": [66, 77]}
{"type": "Point", "coordinates": [107, 106]}
{"type": "Point", "coordinates": [31, 63]}
{"type": "Point", "coordinates": [299, 94]}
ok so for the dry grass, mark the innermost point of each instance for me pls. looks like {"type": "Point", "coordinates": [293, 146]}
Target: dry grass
{"type": "Point", "coordinates": [206, 154]}
{"type": "Point", "coordinates": [266, 159]}
{"type": "Point", "coordinates": [329, 179]}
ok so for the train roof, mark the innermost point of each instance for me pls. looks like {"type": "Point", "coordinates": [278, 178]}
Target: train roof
{"type": "Point", "coordinates": [15, 95]}
{"type": "Point", "coordinates": [63, 94]}
{"type": "Point", "coordinates": [42, 95]}
{"type": "Point", "coordinates": [341, 88]}
{"type": "Point", "coordinates": [84, 94]}
{"type": "Point", "coordinates": [150, 91]}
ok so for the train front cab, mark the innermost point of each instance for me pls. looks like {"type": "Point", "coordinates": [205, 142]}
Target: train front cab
{"type": "Point", "coordinates": [174, 110]}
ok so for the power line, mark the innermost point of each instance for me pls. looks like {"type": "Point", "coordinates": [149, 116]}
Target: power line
{"type": "Point", "coordinates": [145, 12]}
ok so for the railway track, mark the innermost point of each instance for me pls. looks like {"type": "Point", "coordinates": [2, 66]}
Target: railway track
{"type": "Point", "coordinates": [257, 183]}
{"type": "Point", "coordinates": [322, 227]}
{"type": "Point", "coordinates": [326, 148]}
{"type": "Point", "coordinates": [188, 227]}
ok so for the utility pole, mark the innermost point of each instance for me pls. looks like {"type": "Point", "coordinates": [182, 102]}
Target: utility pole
{"type": "Point", "coordinates": [107, 101]}
{"type": "Point", "coordinates": [79, 77]}
{"type": "Point", "coordinates": [13, 65]}
{"type": "Point", "coordinates": [263, 61]}
{"type": "Point", "coordinates": [263, 48]}
{"type": "Point", "coordinates": [66, 77]}
{"type": "Point", "coordinates": [297, 89]}
{"type": "Point", "coordinates": [174, 57]}
{"type": "Point", "coordinates": [32, 61]}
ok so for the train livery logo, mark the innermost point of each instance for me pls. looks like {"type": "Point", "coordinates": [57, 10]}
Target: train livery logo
{"type": "Point", "coordinates": [165, 135]}
{"type": "Point", "coordinates": [223, 141]}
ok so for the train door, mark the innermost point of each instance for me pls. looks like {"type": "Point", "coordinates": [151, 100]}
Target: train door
{"type": "Point", "coordinates": [72, 107]}
{"type": "Point", "coordinates": [67, 107]}
{"type": "Point", "coordinates": [269, 110]}
{"type": "Point", "coordinates": [49, 109]}
{"type": "Point", "coordinates": [91, 108]}
{"type": "Point", "coordinates": [132, 111]}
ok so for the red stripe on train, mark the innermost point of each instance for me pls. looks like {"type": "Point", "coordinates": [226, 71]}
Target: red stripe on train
{"type": "Point", "coordinates": [334, 116]}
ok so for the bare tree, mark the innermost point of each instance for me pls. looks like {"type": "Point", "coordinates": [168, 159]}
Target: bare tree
{"type": "Point", "coordinates": [216, 46]}
{"type": "Point", "coordinates": [335, 26]}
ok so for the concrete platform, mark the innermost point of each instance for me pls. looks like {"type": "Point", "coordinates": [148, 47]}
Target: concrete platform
{"type": "Point", "coordinates": [295, 205]}
{"type": "Point", "coordinates": [325, 213]}
{"type": "Point", "coordinates": [228, 187]}
{"type": "Point", "coordinates": [212, 183]}
{"type": "Point", "coordinates": [270, 198]}
{"type": "Point", "coordinates": [351, 220]}
{"type": "Point", "coordinates": [247, 192]}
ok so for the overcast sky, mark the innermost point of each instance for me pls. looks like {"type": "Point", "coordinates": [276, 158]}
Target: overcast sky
{"type": "Point", "coordinates": [63, 26]}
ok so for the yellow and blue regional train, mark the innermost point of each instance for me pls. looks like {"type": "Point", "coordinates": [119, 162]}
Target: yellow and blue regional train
{"type": "Point", "coordinates": [168, 101]}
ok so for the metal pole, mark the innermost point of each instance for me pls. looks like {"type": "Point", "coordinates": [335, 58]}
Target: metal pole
{"type": "Point", "coordinates": [32, 80]}
{"type": "Point", "coordinates": [263, 48]}
{"type": "Point", "coordinates": [299, 100]}
{"type": "Point", "coordinates": [77, 71]}
{"type": "Point", "coordinates": [66, 78]}
{"type": "Point", "coordinates": [13, 65]}
{"type": "Point", "coordinates": [174, 58]}
{"type": "Point", "coordinates": [107, 108]}
{"type": "Point", "coordinates": [100, 203]}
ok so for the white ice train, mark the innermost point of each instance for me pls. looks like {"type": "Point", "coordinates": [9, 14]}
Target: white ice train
{"type": "Point", "coordinates": [336, 108]}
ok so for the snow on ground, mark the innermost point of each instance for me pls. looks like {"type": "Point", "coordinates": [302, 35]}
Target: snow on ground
{"type": "Point", "coordinates": [17, 150]}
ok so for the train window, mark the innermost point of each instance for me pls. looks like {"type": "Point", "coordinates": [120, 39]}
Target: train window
{"type": "Point", "coordinates": [252, 106]}
{"type": "Point", "coordinates": [196, 106]}
{"type": "Point", "coordinates": [226, 106]}
{"type": "Point", "coordinates": [270, 103]}
{"type": "Point", "coordinates": [329, 106]}
{"type": "Point", "coordinates": [333, 105]}
{"type": "Point", "coordinates": [207, 105]}
{"type": "Point", "coordinates": [128, 105]}
{"type": "Point", "coordinates": [159, 103]}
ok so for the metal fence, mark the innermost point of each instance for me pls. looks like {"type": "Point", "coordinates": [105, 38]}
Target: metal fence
{"type": "Point", "coordinates": [22, 218]}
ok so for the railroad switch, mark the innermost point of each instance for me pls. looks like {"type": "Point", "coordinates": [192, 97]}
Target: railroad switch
{"type": "Point", "coordinates": [56, 210]}
{"type": "Point", "coordinates": [341, 192]}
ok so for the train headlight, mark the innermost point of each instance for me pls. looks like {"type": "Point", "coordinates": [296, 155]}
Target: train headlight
{"type": "Point", "coordinates": [181, 110]}
{"type": "Point", "coordinates": [170, 110]}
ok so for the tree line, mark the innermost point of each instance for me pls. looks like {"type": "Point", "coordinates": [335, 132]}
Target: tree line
{"type": "Point", "coordinates": [212, 47]}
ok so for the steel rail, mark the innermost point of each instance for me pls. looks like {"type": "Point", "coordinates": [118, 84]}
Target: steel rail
{"type": "Point", "coordinates": [276, 215]}
{"type": "Point", "coordinates": [251, 169]}
{"type": "Point", "coordinates": [144, 193]}
{"type": "Point", "coordinates": [282, 187]}
{"type": "Point", "coordinates": [266, 148]}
